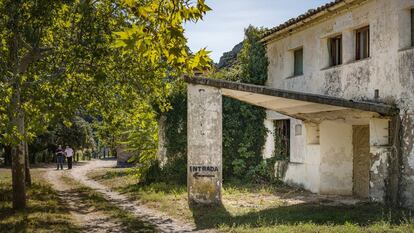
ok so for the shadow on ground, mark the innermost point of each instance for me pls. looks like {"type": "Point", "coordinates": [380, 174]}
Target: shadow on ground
{"type": "Point", "coordinates": [207, 217]}
{"type": "Point", "coordinates": [44, 212]}
{"type": "Point", "coordinates": [318, 212]}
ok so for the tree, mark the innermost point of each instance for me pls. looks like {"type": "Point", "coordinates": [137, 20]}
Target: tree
{"type": "Point", "coordinates": [76, 133]}
{"type": "Point", "coordinates": [20, 48]}
{"type": "Point", "coordinates": [59, 58]}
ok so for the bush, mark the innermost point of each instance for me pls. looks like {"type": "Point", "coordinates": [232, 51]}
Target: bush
{"type": "Point", "coordinates": [174, 172]}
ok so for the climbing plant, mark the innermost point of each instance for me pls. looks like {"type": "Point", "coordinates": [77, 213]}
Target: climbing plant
{"type": "Point", "coordinates": [244, 132]}
{"type": "Point", "coordinates": [243, 129]}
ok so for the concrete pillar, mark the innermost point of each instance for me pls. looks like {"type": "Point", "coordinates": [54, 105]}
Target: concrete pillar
{"type": "Point", "coordinates": [204, 135]}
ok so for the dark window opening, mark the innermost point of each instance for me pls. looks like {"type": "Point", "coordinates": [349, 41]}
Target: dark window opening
{"type": "Point", "coordinates": [298, 66]}
{"type": "Point", "coordinates": [412, 27]}
{"type": "Point", "coordinates": [362, 43]}
{"type": "Point", "coordinates": [282, 139]}
{"type": "Point", "coordinates": [335, 51]}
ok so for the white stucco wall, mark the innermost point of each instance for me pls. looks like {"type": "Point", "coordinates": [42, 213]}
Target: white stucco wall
{"type": "Point", "coordinates": [336, 158]}
{"type": "Point", "coordinates": [269, 146]}
{"type": "Point", "coordinates": [303, 166]}
{"type": "Point", "coordinates": [390, 69]}
{"type": "Point", "coordinates": [306, 174]}
{"type": "Point", "coordinates": [353, 80]}
{"type": "Point", "coordinates": [297, 142]}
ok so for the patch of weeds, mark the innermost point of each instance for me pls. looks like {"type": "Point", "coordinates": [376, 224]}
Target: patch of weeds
{"type": "Point", "coordinates": [44, 213]}
{"type": "Point", "coordinates": [262, 208]}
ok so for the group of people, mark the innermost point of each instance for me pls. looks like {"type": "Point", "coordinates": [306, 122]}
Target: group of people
{"type": "Point", "coordinates": [61, 154]}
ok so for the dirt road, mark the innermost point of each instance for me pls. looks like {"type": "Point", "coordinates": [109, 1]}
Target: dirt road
{"type": "Point", "coordinates": [99, 222]}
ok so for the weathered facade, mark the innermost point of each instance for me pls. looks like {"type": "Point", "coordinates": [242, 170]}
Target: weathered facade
{"type": "Point", "coordinates": [347, 153]}
{"type": "Point", "coordinates": [341, 77]}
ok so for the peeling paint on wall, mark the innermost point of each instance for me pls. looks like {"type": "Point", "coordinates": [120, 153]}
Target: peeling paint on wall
{"type": "Point", "coordinates": [378, 173]}
{"type": "Point", "coordinates": [389, 69]}
{"type": "Point", "coordinates": [333, 84]}
{"type": "Point", "coordinates": [408, 159]}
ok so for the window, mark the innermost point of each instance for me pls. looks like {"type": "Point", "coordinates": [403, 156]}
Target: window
{"type": "Point", "coordinates": [335, 51]}
{"type": "Point", "coordinates": [412, 27]}
{"type": "Point", "coordinates": [362, 43]}
{"type": "Point", "coordinates": [282, 139]}
{"type": "Point", "coordinates": [298, 66]}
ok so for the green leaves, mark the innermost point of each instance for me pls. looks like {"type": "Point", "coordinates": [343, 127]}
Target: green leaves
{"type": "Point", "coordinates": [157, 34]}
{"type": "Point", "coordinates": [242, 146]}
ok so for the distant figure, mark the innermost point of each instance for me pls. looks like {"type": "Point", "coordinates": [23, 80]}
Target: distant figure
{"type": "Point", "coordinates": [69, 156]}
{"type": "Point", "coordinates": [60, 157]}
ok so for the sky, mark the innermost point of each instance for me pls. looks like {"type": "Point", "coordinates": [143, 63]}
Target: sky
{"type": "Point", "coordinates": [223, 27]}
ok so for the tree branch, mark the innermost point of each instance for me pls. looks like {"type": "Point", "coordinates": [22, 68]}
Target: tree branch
{"type": "Point", "coordinates": [33, 55]}
{"type": "Point", "coordinates": [25, 44]}
{"type": "Point", "coordinates": [50, 77]}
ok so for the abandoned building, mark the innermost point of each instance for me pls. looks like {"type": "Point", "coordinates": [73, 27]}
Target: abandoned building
{"type": "Point", "coordinates": [340, 100]}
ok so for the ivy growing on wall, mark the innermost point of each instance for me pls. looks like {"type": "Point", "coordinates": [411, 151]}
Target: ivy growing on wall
{"type": "Point", "coordinates": [244, 132]}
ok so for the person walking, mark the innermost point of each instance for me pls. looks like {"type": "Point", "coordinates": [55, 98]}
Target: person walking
{"type": "Point", "coordinates": [69, 156]}
{"type": "Point", "coordinates": [60, 157]}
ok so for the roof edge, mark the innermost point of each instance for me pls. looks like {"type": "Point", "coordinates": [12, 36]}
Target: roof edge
{"type": "Point", "coordinates": [310, 15]}
{"type": "Point", "coordinates": [381, 108]}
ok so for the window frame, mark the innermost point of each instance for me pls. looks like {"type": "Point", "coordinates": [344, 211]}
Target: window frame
{"type": "Point", "coordinates": [366, 52]}
{"type": "Point", "coordinates": [335, 54]}
{"type": "Point", "coordinates": [298, 63]}
{"type": "Point", "coordinates": [412, 26]}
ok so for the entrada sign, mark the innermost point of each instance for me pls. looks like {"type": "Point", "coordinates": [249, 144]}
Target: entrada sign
{"type": "Point", "coordinates": [203, 169]}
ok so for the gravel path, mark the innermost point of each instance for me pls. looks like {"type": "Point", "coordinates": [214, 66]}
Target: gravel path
{"type": "Point", "coordinates": [87, 217]}
{"type": "Point", "coordinates": [162, 222]}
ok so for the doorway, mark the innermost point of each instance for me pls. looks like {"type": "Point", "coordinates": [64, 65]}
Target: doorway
{"type": "Point", "coordinates": [361, 160]}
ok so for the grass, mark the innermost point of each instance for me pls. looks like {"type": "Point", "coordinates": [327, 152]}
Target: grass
{"type": "Point", "coordinates": [248, 208]}
{"type": "Point", "coordinates": [91, 198]}
{"type": "Point", "coordinates": [45, 212]}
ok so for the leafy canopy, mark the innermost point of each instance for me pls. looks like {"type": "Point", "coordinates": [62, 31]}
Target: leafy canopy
{"type": "Point", "coordinates": [111, 59]}
{"type": "Point", "coordinates": [157, 34]}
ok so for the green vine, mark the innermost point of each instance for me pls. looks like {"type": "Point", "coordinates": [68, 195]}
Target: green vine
{"type": "Point", "coordinates": [244, 132]}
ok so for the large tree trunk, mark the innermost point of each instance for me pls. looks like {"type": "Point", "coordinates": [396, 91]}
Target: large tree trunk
{"type": "Point", "coordinates": [28, 177]}
{"type": "Point", "coordinates": [16, 113]}
{"type": "Point", "coordinates": [7, 156]}
{"type": "Point", "coordinates": [18, 157]}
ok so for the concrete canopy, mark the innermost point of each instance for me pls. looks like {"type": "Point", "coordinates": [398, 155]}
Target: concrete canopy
{"type": "Point", "coordinates": [290, 103]}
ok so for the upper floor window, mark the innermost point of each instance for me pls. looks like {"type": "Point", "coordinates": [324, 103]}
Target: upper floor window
{"type": "Point", "coordinates": [298, 62]}
{"type": "Point", "coordinates": [412, 27]}
{"type": "Point", "coordinates": [335, 51]}
{"type": "Point", "coordinates": [362, 43]}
